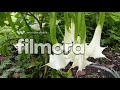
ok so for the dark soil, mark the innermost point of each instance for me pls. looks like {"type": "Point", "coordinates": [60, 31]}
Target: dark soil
{"type": "Point", "coordinates": [113, 62]}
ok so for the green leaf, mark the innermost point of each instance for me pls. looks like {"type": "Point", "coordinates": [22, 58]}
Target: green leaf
{"type": "Point", "coordinates": [34, 63]}
{"type": "Point", "coordinates": [5, 49]}
{"type": "Point", "coordinates": [11, 22]}
{"type": "Point", "coordinates": [67, 74]}
{"type": "Point", "coordinates": [115, 16]}
{"type": "Point", "coordinates": [54, 73]}
{"type": "Point", "coordinates": [5, 74]}
{"type": "Point", "coordinates": [2, 18]}
{"type": "Point", "coordinates": [22, 75]}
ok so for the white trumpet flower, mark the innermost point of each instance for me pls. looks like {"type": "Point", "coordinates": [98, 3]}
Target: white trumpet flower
{"type": "Point", "coordinates": [93, 49]}
{"type": "Point", "coordinates": [58, 61]}
{"type": "Point", "coordinates": [81, 62]}
{"type": "Point", "coordinates": [67, 36]}
{"type": "Point", "coordinates": [70, 57]}
{"type": "Point", "coordinates": [81, 59]}
{"type": "Point", "coordinates": [78, 60]}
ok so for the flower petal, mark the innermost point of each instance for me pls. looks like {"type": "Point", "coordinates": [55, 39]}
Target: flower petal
{"type": "Point", "coordinates": [93, 49]}
{"type": "Point", "coordinates": [81, 62]}
{"type": "Point", "coordinates": [57, 62]}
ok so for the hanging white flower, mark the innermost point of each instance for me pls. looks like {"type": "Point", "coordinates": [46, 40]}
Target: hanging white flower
{"type": "Point", "coordinates": [81, 62]}
{"type": "Point", "coordinates": [67, 36]}
{"type": "Point", "coordinates": [58, 61]}
{"type": "Point", "coordinates": [81, 59]}
{"type": "Point", "coordinates": [94, 49]}
{"type": "Point", "coordinates": [70, 57]}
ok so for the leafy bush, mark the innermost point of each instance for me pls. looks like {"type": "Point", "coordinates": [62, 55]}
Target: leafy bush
{"type": "Point", "coordinates": [29, 66]}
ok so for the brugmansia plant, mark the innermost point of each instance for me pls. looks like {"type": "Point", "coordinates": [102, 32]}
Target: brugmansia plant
{"type": "Point", "coordinates": [94, 49]}
{"type": "Point", "coordinates": [75, 32]}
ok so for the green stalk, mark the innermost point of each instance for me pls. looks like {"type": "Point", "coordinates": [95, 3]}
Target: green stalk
{"type": "Point", "coordinates": [60, 31]}
{"type": "Point", "coordinates": [101, 19]}
{"type": "Point", "coordinates": [79, 21]}
{"type": "Point", "coordinates": [45, 69]}
{"type": "Point", "coordinates": [77, 25]}
{"type": "Point", "coordinates": [53, 27]}
{"type": "Point", "coordinates": [98, 32]}
{"type": "Point", "coordinates": [82, 30]}
{"type": "Point", "coordinates": [74, 19]}
{"type": "Point", "coordinates": [66, 19]}
{"type": "Point", "coordinates": [81, 26]}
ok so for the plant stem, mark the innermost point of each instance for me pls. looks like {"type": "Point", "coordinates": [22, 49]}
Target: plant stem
{"type": "Point", "coordinates": [25, 21]}
{"type": "Point", "coordinates": [60, 31]}
{"type": "Point", "coordinates": [53, 27]}
{"type": "Point", "coordinates": [45, 70]}
{"type": "Point", "coordinates": [101, 19]}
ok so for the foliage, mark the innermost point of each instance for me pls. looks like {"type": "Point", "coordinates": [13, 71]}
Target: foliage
{"type": "Point", "coordinates": [29, 66]}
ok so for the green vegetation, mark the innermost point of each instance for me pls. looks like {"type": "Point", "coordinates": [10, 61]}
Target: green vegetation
{"type": "Point", "coordinates": [52, 27]}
